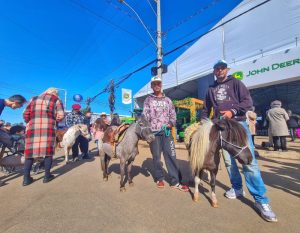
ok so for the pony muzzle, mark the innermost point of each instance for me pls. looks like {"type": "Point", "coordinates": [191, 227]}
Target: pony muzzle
{"type": "Point", "coordinates": [150, 139]}
{"type": "Point", "coordinates": [245, 157]}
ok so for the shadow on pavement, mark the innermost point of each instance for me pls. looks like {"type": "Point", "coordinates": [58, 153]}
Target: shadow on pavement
{"type": "Point", "coordinates": [67, 167]}
{"type": "Point", "coordinates": [57, 161]}
{"type": "Point", "coordinates": [135, 170]}
{"type": "Point", "coordinates": [284, 176]}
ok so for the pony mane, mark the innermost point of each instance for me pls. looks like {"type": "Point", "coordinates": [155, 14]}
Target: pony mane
{"type": "Point", "coordinates": [189, 132]}
{"type": "Point", "coordinates": [236, 133]}
{"type": "Point", "coordinates": [200, 145]}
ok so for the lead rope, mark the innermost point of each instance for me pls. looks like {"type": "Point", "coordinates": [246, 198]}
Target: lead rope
{"type": "Point", "coordinates": [165, 129]}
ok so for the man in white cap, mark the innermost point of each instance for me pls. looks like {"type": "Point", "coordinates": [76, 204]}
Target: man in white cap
{"type": "Point", "coordinates": [160, 112]}
{"type": "Point", "coordinates": [229, 98]}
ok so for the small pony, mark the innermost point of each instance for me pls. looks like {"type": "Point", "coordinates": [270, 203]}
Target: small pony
{"type": "Point", "coordinates": [126, 150]}
{"type": "Point", "coordinates": [70, 136]}
{"type": "Point", "coordinates": [205, 145]}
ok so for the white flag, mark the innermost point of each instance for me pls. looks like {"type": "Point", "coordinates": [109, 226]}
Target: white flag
{"type": "Point", "coordinates": [126, 96]}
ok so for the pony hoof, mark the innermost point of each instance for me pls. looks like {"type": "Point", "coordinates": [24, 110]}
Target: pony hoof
{"type": "Point", "coordinates": [105, 178]}
{"type": "Point", "coordinates": [196, 198]}
{"type": "Point", "coordinates": [215, 205]}
{"type": "Point", "coordinates": [122, 189]}
{"type": "Point", "coordinates": [131, 184]}
{"type": "Point", "coordinates": [67, 162]}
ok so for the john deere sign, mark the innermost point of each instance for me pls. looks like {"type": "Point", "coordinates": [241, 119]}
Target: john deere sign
{"type": "Point", "coordinates": [274, 66]}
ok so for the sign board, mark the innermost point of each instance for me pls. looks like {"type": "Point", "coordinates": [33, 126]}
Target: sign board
{"type": "Point", "coordinates": [276, 68]}
{"type": "Point", "coordinates": [126, 96]}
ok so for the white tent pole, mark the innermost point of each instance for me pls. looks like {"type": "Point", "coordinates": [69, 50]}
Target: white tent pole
{"type": "Point", "coordinates": [223, 40]}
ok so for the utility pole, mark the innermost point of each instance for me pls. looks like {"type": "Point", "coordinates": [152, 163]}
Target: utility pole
{"type": "Point", "coordinates": [159, 41]}
{"type": "Point", "coordinates": [111, 98]}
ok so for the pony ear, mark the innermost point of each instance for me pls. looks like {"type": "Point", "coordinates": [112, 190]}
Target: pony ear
{"type": "Point", "coordinates": [220, 125]}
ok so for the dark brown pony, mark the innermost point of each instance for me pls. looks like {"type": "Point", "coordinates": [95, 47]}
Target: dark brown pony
{"type": "Point", "coordinates": [204, 150]}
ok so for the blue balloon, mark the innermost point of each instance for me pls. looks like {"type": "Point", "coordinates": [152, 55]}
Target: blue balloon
{"type": "Point", "coordinates": [77, 98]}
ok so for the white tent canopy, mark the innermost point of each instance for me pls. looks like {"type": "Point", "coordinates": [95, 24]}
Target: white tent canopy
{"type": "Point", "coordinates": [267, 29]}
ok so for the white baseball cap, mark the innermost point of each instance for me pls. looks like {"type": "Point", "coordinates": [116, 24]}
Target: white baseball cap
{"type": "Point", "coordinates": [156, 79]}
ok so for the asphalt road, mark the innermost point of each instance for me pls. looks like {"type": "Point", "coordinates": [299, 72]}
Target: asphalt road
{"type": "Point", "coordinates": [78, 200]}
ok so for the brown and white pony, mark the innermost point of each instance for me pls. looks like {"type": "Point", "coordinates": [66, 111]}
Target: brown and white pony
{"type": "Point", "coordinates": [205, 147]}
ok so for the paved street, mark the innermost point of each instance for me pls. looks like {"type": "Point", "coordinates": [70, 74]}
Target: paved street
{"type": "Point", "coordinates": [78, 200]}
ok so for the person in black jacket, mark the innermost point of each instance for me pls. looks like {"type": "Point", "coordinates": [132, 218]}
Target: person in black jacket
{"type": "Point", "coordinates": [229, 98]}
{"type": "Point", "coordinates": [292, 124]}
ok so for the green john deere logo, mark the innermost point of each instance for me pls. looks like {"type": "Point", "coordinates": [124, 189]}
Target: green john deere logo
{"type": "Point", "coordinates": [238, 75]}
{"type": "Point", "coordinates": [126, 96]}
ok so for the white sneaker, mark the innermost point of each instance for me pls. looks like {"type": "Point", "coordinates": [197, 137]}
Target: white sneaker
{"type": "Point", "coordinates": [234, 193]}
{"type": "Point", "coordinates": [266, 212]}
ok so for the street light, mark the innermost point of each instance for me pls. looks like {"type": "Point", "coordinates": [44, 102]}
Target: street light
{"type": "Point", "coordinates": [158, 44]}
{"type": "Point", "coordinates": [139, 18]}
{"type": "Point", "coordinates": [65, 90]}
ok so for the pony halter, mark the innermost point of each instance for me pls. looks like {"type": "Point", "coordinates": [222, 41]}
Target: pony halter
{"type": "Point", "coordinates": [143, 128]}
{"type": "Point", "coordinates": [236, 146]}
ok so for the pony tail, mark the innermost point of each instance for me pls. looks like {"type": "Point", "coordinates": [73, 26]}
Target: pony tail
{"type": "Point", "coordinates": [200, 146]}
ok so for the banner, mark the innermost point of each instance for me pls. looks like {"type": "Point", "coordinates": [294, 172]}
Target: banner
{"type": "Point", "coordinates": [126, 96]}
{"type": "Point", "coordinates": [273, 69]}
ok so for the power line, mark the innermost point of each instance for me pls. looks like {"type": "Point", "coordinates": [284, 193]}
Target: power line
{"type": "Point", "coordinates": [213, 29]}
{"type": "Point", "coordinates": [127, 13]}
{"type": "Point", "coordinates": [121, 64]}
{"type": "Point", "coordinates": [140, 20]}
{"type": "Point", "coordinates": [105, 20]}
{"type": "Point", "coordinates": [125, 77]}
{"type": "Point", "coordinates": [139, 51]}
{"type": "Point", "coordinates": [152, 8]}
{"type": "Point", "coordinates": [196, 13]}
{"type": "Point", "coordinates": [170, 29]}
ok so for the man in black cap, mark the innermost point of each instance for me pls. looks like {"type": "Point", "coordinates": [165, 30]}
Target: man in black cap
{"type": "Point", "coordinates": [229, 98]}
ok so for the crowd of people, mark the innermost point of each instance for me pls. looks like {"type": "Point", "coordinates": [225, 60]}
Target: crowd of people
{"type": "Point", "coordinates": [226, 98]}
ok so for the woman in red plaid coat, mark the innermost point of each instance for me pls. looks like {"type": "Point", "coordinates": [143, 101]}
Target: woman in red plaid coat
{"type": "Point", "coordinates": [41, 115]}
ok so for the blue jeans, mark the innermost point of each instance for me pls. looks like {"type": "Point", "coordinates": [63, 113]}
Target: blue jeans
{"type": "Point", "coordinates": [251, 172]}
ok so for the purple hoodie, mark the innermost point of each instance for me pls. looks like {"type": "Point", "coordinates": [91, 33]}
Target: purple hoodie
{"type": "Point", "coordinates": [159, 111]}
{"type": "Point", "coordinates": [230, 95]}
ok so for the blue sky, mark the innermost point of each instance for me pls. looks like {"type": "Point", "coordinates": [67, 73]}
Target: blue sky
{"type": "Point", "coordinates": [80, 45]}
